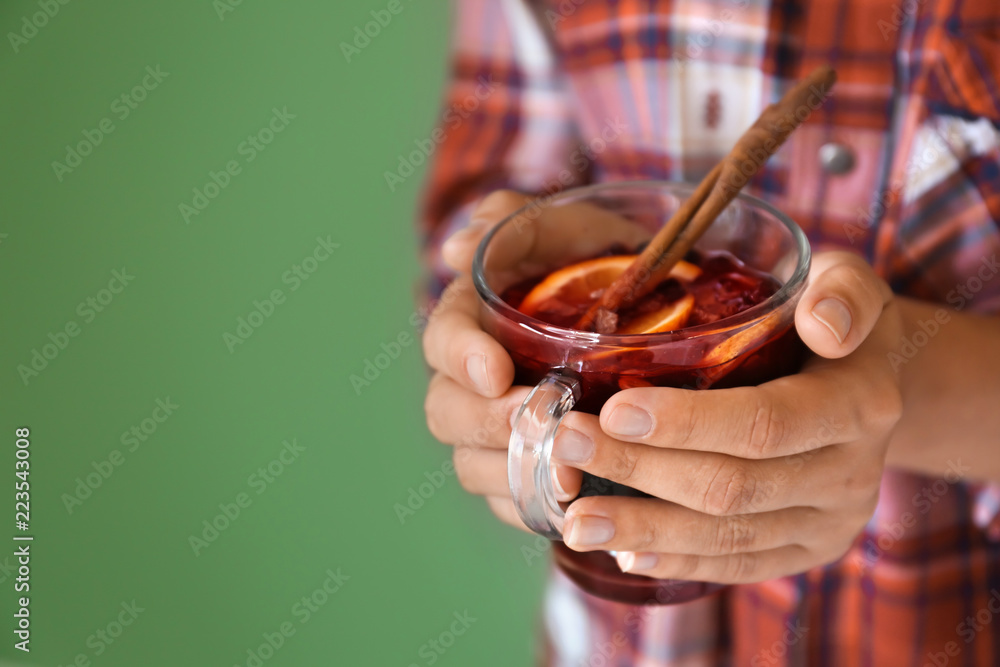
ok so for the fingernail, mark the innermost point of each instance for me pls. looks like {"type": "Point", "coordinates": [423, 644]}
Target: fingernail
{"type": "Point", "coordinates": [572, 446]}
{"type": "Point", "coordinates": [475, 366]}
{"type": "Point", "coordinates": [464, 235]}
{"type": "Point", "coordinates": [629, 420]}
{"type": "Point", "coordinates": [835, 315]}
{"type": "Point", "coordinates": [561, 494]}
{"type": "Point", "coordinates": [451, 243]}
{"type": "Point", "coordinates": [589, 531]}
{"type": "Point", "coordinates": [630, 561]}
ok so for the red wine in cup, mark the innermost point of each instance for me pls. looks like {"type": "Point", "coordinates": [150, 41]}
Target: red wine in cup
{"type": "Point", "coordinates": [719, 288]}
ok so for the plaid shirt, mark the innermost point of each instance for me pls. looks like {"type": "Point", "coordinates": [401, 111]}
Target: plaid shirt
{"type": "Point", "coordinates": [555, 93]}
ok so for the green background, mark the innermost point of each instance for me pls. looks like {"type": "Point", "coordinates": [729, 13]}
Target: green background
{"type": "Point", "coordinates": [162, 337]}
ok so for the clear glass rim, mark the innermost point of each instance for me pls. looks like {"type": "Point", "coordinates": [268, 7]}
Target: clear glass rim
{"type": "Point", "coordinates": [785, 293]}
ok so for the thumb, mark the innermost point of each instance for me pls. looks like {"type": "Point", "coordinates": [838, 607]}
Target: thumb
{"type": "Point", "coordinates": [460, 247]}
{"type": "Point", "coordinates": [841, 305]}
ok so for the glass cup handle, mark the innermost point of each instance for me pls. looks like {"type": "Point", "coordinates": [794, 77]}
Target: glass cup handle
{"type": "Point", "coordinates": [528, 456]}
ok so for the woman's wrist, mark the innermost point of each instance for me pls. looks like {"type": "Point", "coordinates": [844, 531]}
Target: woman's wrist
{"type": "Point", "coordinates": [949, 370]}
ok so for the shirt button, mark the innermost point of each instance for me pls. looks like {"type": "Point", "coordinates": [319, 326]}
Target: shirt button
{"type": "Point", "coordinates": [836, 158]}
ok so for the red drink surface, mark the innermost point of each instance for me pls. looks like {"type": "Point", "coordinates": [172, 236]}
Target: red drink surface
{"type": "Point", "coordinates": [724, 288]}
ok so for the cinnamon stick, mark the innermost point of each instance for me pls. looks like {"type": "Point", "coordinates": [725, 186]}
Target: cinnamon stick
{"type": "Point", "coordinates": [712, 195]}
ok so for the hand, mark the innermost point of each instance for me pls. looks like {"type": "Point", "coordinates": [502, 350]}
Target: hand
{"type": "Point", "coordinates": [752, 483]}
{"type": "Point", "coordinates": [470, 402]}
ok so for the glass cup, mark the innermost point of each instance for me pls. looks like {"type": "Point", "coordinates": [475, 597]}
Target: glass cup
{"type": "Point", "coordinates": [580, 370]}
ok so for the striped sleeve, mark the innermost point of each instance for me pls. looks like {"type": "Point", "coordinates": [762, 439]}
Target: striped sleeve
{"type": "Point", "coordinates": [949, 232]}
{"type": "Point", "coordinates": [506, 121]}
{"type": "Point", "coordinates": [949, 173]}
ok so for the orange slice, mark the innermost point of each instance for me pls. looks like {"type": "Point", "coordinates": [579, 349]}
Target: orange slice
{"type": "Point", "coordinates": [669, 318]}
{"type": "Point", "coordinates": [744, 341]}
{"type": "Point", "coordinates": [582, 281]}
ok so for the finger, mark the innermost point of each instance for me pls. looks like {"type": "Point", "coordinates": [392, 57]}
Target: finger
{"type": "Point", "coordinates": [709, 482]}
{"type": "Point", "coordinates": [650, 524]}
{"type": "Point", "coordinates": [457, 416]}
{"type": "Point", "coordinates": [778, 418]}
{"type": "Point", "coordinates": [460, 247]}
{"type": "Point", "coordinates": [483, 472]}
{"type": "Point", "coordinates": [566, 481]}
{"type": "Point", "coordinates": [456, 345]}
{"type": "Point", "coordinates": [841, 305]}
{"type": "Point", "coordinates": [741, 568]}
{"type": "Point", "coordinates": [503, 508]}
{"type": "Point", "coordinates": [540, 236]}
